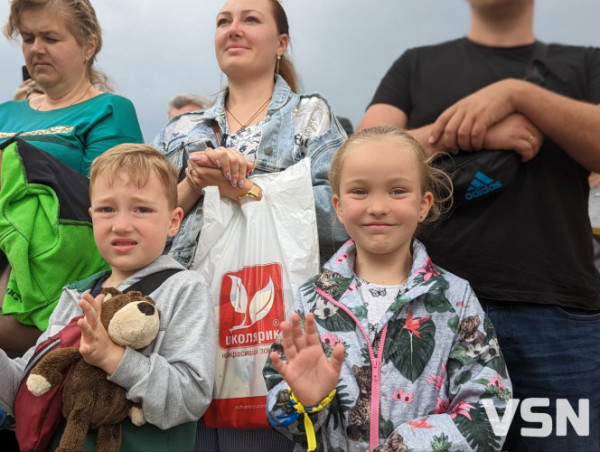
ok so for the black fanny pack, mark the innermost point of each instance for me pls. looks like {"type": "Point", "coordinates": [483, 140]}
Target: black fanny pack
{"type": "Point", "coordinates": [479, 175]}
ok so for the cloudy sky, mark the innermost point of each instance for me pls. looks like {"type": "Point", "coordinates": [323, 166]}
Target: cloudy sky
{"type": "Point", "coordinates": [154, 49]}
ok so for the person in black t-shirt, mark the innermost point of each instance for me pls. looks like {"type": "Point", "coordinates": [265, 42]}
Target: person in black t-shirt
{"type": "Point", "coordinates": [527, 249]}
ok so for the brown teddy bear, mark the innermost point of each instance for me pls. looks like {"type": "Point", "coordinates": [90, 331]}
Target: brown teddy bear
{"type": "Point", "coordinates": [89, 399]}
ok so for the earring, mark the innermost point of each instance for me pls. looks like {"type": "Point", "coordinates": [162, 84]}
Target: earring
{"type": "Point", "coordinates": [277, 65]}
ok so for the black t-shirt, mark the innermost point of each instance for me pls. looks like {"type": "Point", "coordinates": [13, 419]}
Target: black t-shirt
{"type": "Point", "coordinates": [532, 241]}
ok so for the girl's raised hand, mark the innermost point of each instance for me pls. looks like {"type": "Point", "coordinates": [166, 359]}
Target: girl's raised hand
{"type": "Point", "coordinates": [308, 372]}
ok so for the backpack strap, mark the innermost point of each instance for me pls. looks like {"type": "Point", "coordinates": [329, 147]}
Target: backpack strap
{"type": "Point", "coordinates": [535, 72]}
{"type": "Point", "coordinates": [150, 283]}
{"type": "Point", "coordinates": [540, 65]}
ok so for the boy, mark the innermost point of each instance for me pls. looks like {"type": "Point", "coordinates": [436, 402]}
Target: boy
{"type": "Point", "coordinates": [133, 192]}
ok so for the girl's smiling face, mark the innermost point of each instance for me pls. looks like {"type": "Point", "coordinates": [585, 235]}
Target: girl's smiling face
{"type": "Point", "coordinates": [380, 200]}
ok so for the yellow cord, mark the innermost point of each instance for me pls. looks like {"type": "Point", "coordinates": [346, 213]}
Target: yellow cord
{"type": "Point", "coordinates": [308, 425]}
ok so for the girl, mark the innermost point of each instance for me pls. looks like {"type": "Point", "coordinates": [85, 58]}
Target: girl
{"type": "Point", "coordinates": [397, 353]}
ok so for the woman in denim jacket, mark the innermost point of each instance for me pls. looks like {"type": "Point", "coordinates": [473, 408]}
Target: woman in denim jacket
{"type": "Point", "coordinates": [258, 124]}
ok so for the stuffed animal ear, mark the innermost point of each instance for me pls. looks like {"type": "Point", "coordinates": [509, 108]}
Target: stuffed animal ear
{"type": "Point", "coordinates": [110, 292]}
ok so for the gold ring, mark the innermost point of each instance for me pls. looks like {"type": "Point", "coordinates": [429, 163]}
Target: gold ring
{"type": "Point", "coordinates": [531, 138]}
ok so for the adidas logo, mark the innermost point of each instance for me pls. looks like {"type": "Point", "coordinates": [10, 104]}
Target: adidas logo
{"type": "Point", "coordinates": [481, 185]}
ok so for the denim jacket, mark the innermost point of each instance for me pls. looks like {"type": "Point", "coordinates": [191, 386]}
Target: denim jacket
{"type": "Point", "coordinates": [290, 132]}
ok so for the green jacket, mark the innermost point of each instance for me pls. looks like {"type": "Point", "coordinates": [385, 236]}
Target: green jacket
{"type": "Point", "coordinates": [45, 230]}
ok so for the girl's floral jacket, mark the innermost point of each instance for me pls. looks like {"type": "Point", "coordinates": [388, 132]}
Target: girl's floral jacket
{"type": "Point", "coordinates": [421, 386]}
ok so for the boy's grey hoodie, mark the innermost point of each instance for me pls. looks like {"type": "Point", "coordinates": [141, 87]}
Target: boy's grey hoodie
{"type": "Point", "coordinates": [173, 377]}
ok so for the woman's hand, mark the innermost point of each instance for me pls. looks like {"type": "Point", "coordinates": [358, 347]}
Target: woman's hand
{"type": "Point", "coordinates": [308, 372]}
{"type": "Point", "coordinates": [234, 167]}
{"type": "Point", "coordinates": [96, 347]}
{"type": "Point", "coordinates": [199, 177]}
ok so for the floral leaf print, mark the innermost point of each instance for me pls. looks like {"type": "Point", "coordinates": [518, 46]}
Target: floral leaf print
{"type": "Point", "coordinates": [308, 290]}
{"type": "Point", "coordinates": [461, 408]}
{"type": "Point", "coordinates": [341, 403]}
{"type": "Point", "coordinates": [477, 430]}
{"type": "Point", "coordinates": [420, 423]}
{"type": "Point", "coordinates": [331, 318]}
{"type": "Point", "coordinates": [403, 396]}
{"type": "Point", "coordinates": [497, 361]}
{"type": "Point", "coordinates": [462, 377]}
{"type": "Point", "coordinates": [488, 327]}
{"type": "Point", "coordinates": [436, 380]}
{"type": "Point", "coordinates": [386, 427]}
{"type": "Point", "coordinates": [329, 341]}
{"type": "Point", "coordinates": [494, 388]}
{"type": "Point", "coordinates": [412, 345]}
{"type": "Point", "coordinates": [399, 302]}
{"type": "Point", "coordinates": [272, 377]}
{"type": "Point", "coordinates": [453, 323]}
{"type": "Point", "coordinates": [364, 353]}
{"type": "Point", "coordinates": [324, 308]}
{"type": "Point", "coordinates": [442, 405]}
{"type": "Point", "coordinates": [428, 270]}
{"type": "Point", "coordinates": [435, 301]}
{"type": "Point", "coordinates": [441, 443]}
{"type": "Point", "coordinates": [360, 312]}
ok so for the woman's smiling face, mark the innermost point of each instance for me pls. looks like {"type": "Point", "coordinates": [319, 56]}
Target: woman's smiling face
{"type": "Point", "coordinates": [247, 41]}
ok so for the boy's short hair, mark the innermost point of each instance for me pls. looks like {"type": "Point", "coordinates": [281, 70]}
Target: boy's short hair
{"type": "Point", "coordinates": [137, 162]}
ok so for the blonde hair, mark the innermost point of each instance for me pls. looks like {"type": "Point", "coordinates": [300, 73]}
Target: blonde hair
{"type": "Point", "coordinates": [80, 17]}
{"type": "Point", "coordinates": [137, 162]}
{"type": "Point", "coordinates": [432, 179]}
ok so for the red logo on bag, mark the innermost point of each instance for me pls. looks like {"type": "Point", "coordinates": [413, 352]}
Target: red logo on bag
{"type": "Point", "coordinates": [251, 306]}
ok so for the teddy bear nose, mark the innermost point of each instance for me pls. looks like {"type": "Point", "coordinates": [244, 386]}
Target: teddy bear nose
{"type": "Point", "coordinates": [146, 308]}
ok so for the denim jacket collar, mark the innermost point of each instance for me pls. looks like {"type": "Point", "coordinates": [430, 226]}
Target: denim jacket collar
{"type": "Point", "coordinates": [281, 95]}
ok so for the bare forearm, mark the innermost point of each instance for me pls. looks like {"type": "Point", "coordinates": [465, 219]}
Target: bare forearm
{"type": "Point", "coordinates": [186, 196]}
{"type": "Point", "coordinates": [15, 336]}
{"type": "Point", "coordinates": [572, 124]}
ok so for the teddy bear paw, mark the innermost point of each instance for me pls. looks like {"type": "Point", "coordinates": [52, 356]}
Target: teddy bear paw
{"type": "Point", "coordinates": [137, 416]}
{"type": "Point", "coordinates": [38, 385]}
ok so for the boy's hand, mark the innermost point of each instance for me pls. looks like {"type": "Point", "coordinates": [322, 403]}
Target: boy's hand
{"type": "Point", "coordinates": [96, 346]}
{"type": "Point", "coordinates": [308, 372]}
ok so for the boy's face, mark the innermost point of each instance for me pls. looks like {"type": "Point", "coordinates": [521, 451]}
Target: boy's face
{"type": "Point", "coordinates": [131, 224]}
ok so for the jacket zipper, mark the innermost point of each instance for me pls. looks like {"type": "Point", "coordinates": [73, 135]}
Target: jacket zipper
{"type": "Point", "coordinates": [375, 369]}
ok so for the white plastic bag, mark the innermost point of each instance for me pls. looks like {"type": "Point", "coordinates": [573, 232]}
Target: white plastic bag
{"type": "Point", "coordinates": [254, 258]}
